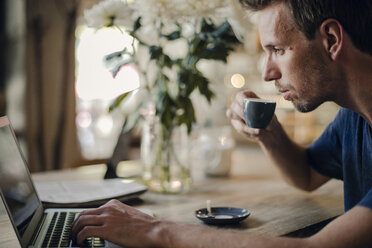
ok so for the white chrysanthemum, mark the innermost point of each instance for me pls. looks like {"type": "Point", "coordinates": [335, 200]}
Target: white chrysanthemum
{"type": "Point", "coordinates": [110, 13]}
{"type": "Point", "coordinates": [168, 11]}
{"type": "Point", "coordinates": [156, 10]}
{"type": "Point", "coordinates": [238, 20]}
{"type": "Point", "coordinates": [205, 8]}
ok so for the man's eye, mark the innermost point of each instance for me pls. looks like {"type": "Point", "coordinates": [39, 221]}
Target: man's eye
{"type": "Point", "coordinates": [278, 51]}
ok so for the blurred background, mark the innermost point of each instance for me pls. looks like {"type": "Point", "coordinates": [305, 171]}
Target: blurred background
{"type": "Point", "coordinates": [56, 91]}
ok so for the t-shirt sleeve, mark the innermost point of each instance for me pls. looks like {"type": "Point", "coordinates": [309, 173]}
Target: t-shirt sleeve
{"type": "Point", "coordinates": [325, 154]}
{"type": "Point", "coordinates": [367, 200]}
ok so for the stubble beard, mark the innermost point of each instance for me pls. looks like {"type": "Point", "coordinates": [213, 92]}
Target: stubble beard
{"type": "Point", "coordinates": [306, 107]}
{"type": "Point", "coordinates": [307, 102]}
{"type": "Point", "coordinates": [313, 91]}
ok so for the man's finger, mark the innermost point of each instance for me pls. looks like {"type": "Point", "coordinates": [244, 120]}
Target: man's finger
{"type": "Point", "coordinates": [238, 125]}
{"type": "Point", "coordinates": [90, 231]}
{"type": "Point", "coordinates": [231, 115]}
{"type": "Point", "coordinates": [89, 212]}
{"type": "Point", "coordinates": [237, 111]}
{"type": "Point", "coordinates": [95, 211]}
{"type": "Point", "coordinates": [85, 220]}
{"type": "Point", "coordinates": [247, 94]}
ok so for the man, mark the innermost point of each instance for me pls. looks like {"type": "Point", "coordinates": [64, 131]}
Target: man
{"type": "Point", "coordinates": [316, 51]}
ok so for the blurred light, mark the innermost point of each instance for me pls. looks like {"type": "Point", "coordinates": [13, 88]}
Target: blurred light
{"type": "Point", "coordinates": [176, 184]}
{"type": "Point", "coordinates": [84, 119]}
{"type": "Point", "coordinates": [104, 125]}
{"type": "Point", "coordinates": [222, 140]}
{"type": "Point", "coordinates": [149, 110]}
{"type": "Point", "coordinates": [237, 80]}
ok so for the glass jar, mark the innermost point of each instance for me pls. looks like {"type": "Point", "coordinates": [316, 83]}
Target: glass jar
{"type": "Point", "coordinates": [164, 154]}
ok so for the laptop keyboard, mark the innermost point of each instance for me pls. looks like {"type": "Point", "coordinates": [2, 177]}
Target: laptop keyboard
{"type": "Point", "coordinates": [58, 234]}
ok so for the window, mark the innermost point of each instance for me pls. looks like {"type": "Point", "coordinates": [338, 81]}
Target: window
{"type": "Point", "coordinates": [96, 88]}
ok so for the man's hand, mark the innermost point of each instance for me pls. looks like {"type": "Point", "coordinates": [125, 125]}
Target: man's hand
{"type": "Point", "coordinates": [117, 223]}
{"type": "Point", "coordinates": [236, 115]}
{"type": "Point", "coordinates": [126, 226]}
{"type": "Point", "coordinates": [277, 145]}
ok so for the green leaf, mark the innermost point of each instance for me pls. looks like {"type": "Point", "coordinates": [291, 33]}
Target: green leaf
{"type": "Point", "coordinates": [160, 101]}
{"type": "Point", "coordinates": [137, 24]}
{"type": "Point", "coordinates": [178, 61]}
{"type": "Point", "coordinates": [206, 27]}
{"type": "Point", "coordinates": [161, 85]}
{"type": "Point", "coordinates": [203, 86]}
{"type": "Point", "coordinates": [216, 52]}
{"type": "Point", "coordinates": [213, 42]}
{"type": "Point", "coordinates": [222, 29]}
{"type": "Point", "coordinates": [167, 61]}
{"type": "Point", "coordinates": [225, 34]}
{"type": "Point", "coordinates": [117, 68]}
{"type": "Point", "coordinates": [164, 110]}
{"type": "Point", "coordinates": [155, 52]}
{"type": "Point", "coordinates": [186, 82]}
{"type": "Point", "coordinates": [198, 44]}
{"type": "Point", "coordinates": [115, 55]}
{"type": "Point", "coordinates": [117, 101]}
{"type": "Point", "coordinates": [173, 36]}
{"type": "Point", "coordinates": [188, 115]}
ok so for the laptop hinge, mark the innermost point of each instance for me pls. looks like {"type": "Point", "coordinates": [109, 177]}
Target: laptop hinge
{"type": "Point", "coordinates": [39, 227]}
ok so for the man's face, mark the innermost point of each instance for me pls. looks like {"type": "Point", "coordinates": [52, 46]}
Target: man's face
{"type": "Point", "coordinates": [295, 64]}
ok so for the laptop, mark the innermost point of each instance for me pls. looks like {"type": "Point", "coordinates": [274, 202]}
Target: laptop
{"type": "Point", "coordinates": [34, 225]}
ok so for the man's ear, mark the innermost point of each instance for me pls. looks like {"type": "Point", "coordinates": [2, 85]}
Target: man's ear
{"type": "Point", "coordinates": [332, 34]}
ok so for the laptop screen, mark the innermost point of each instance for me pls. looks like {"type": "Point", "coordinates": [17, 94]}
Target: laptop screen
{"type": "Point", "coordinates": [15, 182]}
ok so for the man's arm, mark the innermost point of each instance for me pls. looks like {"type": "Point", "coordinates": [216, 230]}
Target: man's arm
{"type": "Point", "coordinates": [290, 158]}
{"type": "Point", "coordinates": [126, 226]}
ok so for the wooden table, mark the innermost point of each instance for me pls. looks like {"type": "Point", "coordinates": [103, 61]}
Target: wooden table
{"type": "Point", "coordinates": [276, 208]}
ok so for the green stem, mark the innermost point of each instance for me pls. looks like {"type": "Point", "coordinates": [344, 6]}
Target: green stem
{"type": "Point", "coordinates": [163, 156]}
{"type": "Point", "coordinates": [185, 172]}
{"type": "Point", "coordinates": [167, 145]}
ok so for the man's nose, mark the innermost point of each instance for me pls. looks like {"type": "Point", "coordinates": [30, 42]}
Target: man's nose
{"type": "Point", "coordinates": [270, 71]}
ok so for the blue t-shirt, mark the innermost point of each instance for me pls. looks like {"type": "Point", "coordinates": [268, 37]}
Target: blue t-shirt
{"type": "Point", "coordinates": [344, 151]}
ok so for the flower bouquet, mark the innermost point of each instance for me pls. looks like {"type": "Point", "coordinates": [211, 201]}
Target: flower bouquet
{"type": "Point", "coordinates": [169, 39]}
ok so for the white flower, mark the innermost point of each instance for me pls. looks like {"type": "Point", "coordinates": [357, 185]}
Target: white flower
{"type": "Point", "coordinates": [110, 13]}
{"type": "Point", "coordinates": [148, 34]}
{"type": "Point", "coordinates": [238, 20]}
{"type": "Point", "coordinates": [168, 11]}
{"type": "Point", "coordinates": [205, 8]}
{"type": "Point", "coordinates": [156, 10]}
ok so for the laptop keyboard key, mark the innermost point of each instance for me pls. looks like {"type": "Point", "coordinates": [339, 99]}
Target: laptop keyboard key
{"type": "Point", "coordinates": [58, 233]}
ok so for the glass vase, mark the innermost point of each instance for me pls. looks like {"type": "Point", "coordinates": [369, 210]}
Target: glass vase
{"type": "Point", "coordinates": [164, 154]}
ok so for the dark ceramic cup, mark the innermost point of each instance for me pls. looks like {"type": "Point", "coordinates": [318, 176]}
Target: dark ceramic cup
{"type": "Point", "coordinates": [258, 112]}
